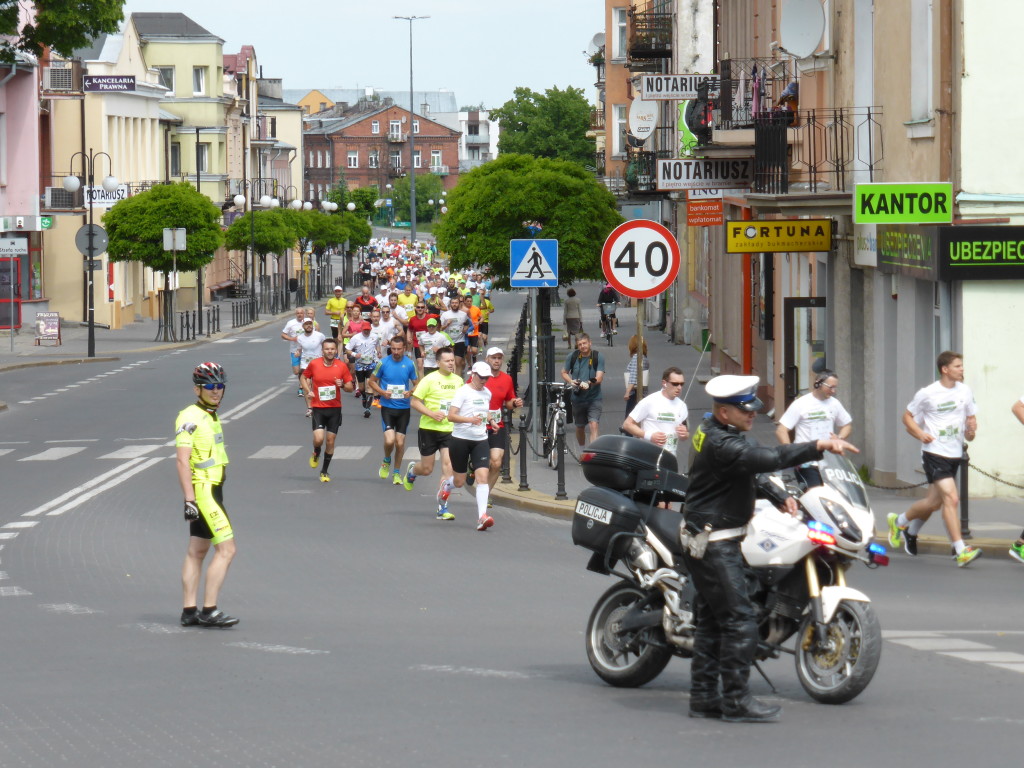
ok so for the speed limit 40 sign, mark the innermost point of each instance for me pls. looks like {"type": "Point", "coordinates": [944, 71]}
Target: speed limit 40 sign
{"type": "Point", "coordinates": [640, 258]}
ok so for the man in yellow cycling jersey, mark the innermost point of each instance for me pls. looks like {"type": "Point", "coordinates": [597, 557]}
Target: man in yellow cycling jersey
{"type": "Point", "coordinates": [201, 459]}
{"type": "Point", "coordinates": [335, 310]}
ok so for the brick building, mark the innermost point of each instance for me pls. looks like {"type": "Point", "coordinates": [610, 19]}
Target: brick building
{"type": "Point", "coordinates": [369, 145]}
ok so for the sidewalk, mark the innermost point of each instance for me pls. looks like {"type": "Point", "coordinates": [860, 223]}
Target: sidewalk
{"type": "Point", "coordinates": [994, 523]}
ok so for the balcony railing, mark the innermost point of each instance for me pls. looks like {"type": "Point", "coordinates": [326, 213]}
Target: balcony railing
{"type": "Point", "coordinates": [821, 148]}
{"type": "Point", "coordinates": [395, 169]}
{"type": "Point", "coordinates": [396, 137]}
{"type": "Point", "coordinates": [598, 167]}
{"type": "Point", "coordinates": [650, 31]}
{"type": "Point", "coordinates": [477, 139]}
{"type": "Point", "coordinates": [597, 119]}
{"type": "Point", "coordinates": [642, 169]}
{"type": "Point", "coordinates": [746, 87]}
{"type": "Point", "coordinates": [440, 170]}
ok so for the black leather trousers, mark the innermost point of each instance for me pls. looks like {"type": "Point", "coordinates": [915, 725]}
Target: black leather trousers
{"type": "Point", "coordinates": [726, 636]}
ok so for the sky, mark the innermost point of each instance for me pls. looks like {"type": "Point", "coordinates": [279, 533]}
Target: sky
{"type": "Point", "coordinates": [479, 49]}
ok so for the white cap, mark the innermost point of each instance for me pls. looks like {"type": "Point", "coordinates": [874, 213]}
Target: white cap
{"type": "Point", "coordinates": [338, 288]}
{"type": "Point", "coordinates": [482, 370]}
{"type": "Point", "coordinates": [494, 351]}
{"type": "Point", "coordinates": [735, 390]}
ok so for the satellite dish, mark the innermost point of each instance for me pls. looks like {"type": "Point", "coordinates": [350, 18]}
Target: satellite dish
{"type": "Point", "coordinates": [595, 44]}
{"type": "Point", "coordinates": [803, 23]}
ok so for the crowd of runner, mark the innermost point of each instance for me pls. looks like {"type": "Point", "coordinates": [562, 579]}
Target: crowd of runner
{"type": "Point", "coordinates": [413, 339]}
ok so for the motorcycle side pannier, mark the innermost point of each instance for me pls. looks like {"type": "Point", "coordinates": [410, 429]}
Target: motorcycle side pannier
{"type": "Point", "coordinates": [600, 514]}
{"type": "Point", "coordinates": [612, 461]}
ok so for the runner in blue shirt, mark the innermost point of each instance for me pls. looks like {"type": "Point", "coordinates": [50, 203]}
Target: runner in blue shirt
{"type": "Point", "coordinates": [394, 378]}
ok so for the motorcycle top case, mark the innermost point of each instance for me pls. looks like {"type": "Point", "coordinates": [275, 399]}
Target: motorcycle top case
{"type": "Point", "coordinates": [612, 461]}
{"type": "Point", "coordinates": [600, 514]}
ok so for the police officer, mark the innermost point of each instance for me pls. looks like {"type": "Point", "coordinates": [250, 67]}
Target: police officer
{"type": "Point", "coordinates": [720, 500]}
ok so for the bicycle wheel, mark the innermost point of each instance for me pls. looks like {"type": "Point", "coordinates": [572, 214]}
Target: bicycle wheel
{"type": "Point", "coordinates": [551, 447]}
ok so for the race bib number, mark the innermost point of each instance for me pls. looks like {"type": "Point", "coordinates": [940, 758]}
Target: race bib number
{"type": "Point", "coordinates": [366, 359]}
{"type": "Point", "coordinates": [327, 393]}
{"type": "Point", "coordinates": [334, 323]}
{"type": "Point", "coordinates": [671, 442]}
{"type": "Point", "coordinates": [396, 390]}
{"type": "Point", "coordinates": [494, 416]}
{"type": "Point", "coordinates": [420, 335]}
{"type": "Point", "coordinates": [304, 362]}
{"type": "Point", "coordinates": [444, 405]}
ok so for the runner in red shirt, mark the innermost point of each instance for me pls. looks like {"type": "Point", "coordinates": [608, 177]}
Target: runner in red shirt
{"type": "Point", "coordinates": [503, 395]}
{"type": "Point", "coordinates": [322, 382]}
{"type": "Point", "coordinates": [418, 325]}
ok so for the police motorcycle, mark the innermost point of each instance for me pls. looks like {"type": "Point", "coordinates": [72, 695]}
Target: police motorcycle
{"type": "Point", "coordinates": [799, 565]}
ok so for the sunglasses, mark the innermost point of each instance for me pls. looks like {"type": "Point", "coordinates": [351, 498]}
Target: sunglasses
{"type": "Point", "coordinates": [675, 383]}
{"type": "Point", "coordinates": [211, 387]}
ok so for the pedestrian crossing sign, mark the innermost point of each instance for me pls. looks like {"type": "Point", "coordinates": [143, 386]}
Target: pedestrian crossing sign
{"type": "Point", "coordinates": [534, 263]}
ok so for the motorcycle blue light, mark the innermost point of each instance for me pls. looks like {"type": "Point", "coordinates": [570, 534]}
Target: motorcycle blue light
{"type": "Point", "coordinates": [821, 534]}
{"type": "Point", "coordinates": [876, 549]}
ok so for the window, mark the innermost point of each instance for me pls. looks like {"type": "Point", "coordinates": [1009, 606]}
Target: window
{"type": "Point", "coordinates": [619, 144]}
{"type": "Point", "coordinates": [473, 129]}
{"type": "Point", "coordinates": [198, 81]}
{"type": "Point", "coordinates": [396, 159]}
{"type": "Point", "coordinates": [319, 158]}
{"type": "Point", "coordinates": [175, 158]}
{"type": "Point", "coordinates": [374, 159]}
{"type": "Point", "coordinates": [415, 126]}
{"type": "Point", "coordinates": [619, 24]}
{"type": "Point", "coordinates": [395, 127]}
{"type": "Point", "coordinates": [435, 157]}
{"type": "Point", "coordinates": [921, 70]}
{"type": "Point", "coordinates": [375, 127]}
{"type": "Point", "coordinates": [167, 78]}
{"type": "Point", "coordinates": [353, 158]}
{"type": "Point", "coordinates": [416, 159]}
{"type": "Point", "coordinates": [474, 153]}
{"type": "Point", "coordinates": [203, 157]}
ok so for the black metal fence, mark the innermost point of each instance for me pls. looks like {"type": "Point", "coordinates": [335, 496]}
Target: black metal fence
{"type": "Point", "coordinates": [188, 323]}
{"type": "Point", "coordinates": [244, 312]}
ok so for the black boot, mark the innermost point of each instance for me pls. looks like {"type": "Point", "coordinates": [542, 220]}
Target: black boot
{"type": "Point", "coordinates": [705, 708]}
{"type": "Point", "coordinates": [750, 710]}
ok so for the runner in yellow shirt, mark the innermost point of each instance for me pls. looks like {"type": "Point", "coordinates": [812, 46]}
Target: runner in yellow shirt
{"type": "Point", "coordinates": [335, 310]}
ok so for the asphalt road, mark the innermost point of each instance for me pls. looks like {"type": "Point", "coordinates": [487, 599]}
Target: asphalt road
{"type": "Point", "coordinates": [372, 634]}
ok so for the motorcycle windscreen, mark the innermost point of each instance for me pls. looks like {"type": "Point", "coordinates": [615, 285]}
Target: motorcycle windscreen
{"type": "Point", "coordinates": [840, 474]}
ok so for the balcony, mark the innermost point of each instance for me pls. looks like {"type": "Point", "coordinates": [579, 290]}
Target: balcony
{"type": "Point", "coordinates": [597, 119]}
{"type": "Point", "coordinates": [477, 139]}
{"type": "Point", "coordinates": [649, 34]}
{"type": "Point", "coordinates": [395, 169]}
{"type": "Point", "coordinates": [747, 87]}
{"type": "Point", "coordinates": [820, 150]}
{"type": "Point", "coordinates": [439, 170]}
{"type": "Point", "coordinates": [642, 170]}
{"type": "Point", "coordinates": [397, 137]}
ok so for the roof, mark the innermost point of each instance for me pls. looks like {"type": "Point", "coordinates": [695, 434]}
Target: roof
{"type": "Point", "coordinates": [436, 101]}
{"type": "Point", "coordinates": [236, 62]}
{"type": "Point", "coordinates": [91, 52]}
{"type": "Point", "coordinates": [169, 25]}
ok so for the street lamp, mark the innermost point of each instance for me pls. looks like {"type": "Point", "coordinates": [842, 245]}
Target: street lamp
{"type": "Point", "coordinates": [391, 206]}
{"type": "Point", "coordinates": [412, 140]}
{"type": "Point", "coordinates": [350, 207]}
{"type": "Point", "coordinates": [72, 184]}
{"type": "Point", "coordinates": [243, 201]}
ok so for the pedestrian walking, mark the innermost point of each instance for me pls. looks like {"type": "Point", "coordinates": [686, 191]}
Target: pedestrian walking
{"type": "Point", "coordinates": [584, 369]}
{"type": "Point", "coordinates": [941, 416]}
{"type": "Point", "coordinates": [637, 362]}
{"type": "Point", "coordinates": [572, 316]}
{"type": "Point", "coordinates": [201, 459]}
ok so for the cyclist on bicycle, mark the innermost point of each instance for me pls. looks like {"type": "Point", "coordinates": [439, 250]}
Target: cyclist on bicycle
{"type": "Point", "coordinates": [610, 296]}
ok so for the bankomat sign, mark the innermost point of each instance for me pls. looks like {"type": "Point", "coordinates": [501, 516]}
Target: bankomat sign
{"type": "Point", "coordinates": [925, 203]}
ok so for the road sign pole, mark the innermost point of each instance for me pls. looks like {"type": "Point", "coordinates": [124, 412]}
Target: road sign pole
{"type": "Point", "coordinates": [641, 315]}
{"type": "Point", "coordinates": [90, 298]}
{"type": "Point", "coordinates": [534, 377]}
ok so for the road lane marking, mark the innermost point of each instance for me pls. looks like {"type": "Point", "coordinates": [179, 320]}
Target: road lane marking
{"type": "Point", "coordinates": [14, 592]}
{"type": "Point", "coordinates": [270, 648]}
{"type": "Point", "coordinates": [52, 454]}
{"type": "Point", "coordinates": [75, 610]}
{"type": "Point", "coordinates": [250, 405]}
{"type": "Point", "coordinates": [351, 452]}
{"type": "Point", "coordinates": [131, 452]}
{"type": "Point", "coordinates": [81, 499]}
{"type": "Point", "coordinates": [83, 440]}
{"type": "Point", "coordinates": [85, 486]}
{"type": "Point", "coordinates": [474, 671]}
{"type": "Point", "coordinates": [5, 451]}
{"type": "Point", "coordinates": [257, 341]}
{"type": "Point", "coordinates": [992, 657]}
{"type": "Point", "coordinates": [275, 451]}
{"type": "Point", "coordinates": [941, 644]}
{"type": "Point", "coordinates": [22, 524]}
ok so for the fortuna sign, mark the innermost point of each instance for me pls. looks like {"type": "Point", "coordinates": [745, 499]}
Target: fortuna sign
{"type": "Point", "coordinates": [928, 203]}
{"type": "Point", "coordinates": [731, 173]}
{"type": "Point", "coordinates": [670, 87]}
{"type": "Point", "coordinates": [779, 236]}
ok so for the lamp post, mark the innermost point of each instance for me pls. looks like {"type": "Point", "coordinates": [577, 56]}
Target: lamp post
{"type": "Point", "coordinates": [391, 206]}
{"type": "Point", "coordinates": [412, 140]}
{"type": "Point", "coordinates": [72, 184]}
{"type": "Point", "coordinates": [246, 201]}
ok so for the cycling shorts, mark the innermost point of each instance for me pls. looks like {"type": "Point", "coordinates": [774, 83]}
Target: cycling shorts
{"type": "Point", "coordinates": [328, 419]}
{"type": "Point", "coordinates": [461, 451]}
{"type": "Point", "coordinates": [460, 349]}
{"type": "Point", "coordinates": [213, 523]}
{"type": "Point", "coordinates": [498, 438]}
{"type": "Point", "coordinates": [430, 441]}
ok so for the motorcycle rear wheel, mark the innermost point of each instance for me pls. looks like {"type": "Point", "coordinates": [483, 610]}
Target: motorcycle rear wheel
{"type": "Point", "coordinates": [840, 671]}
{"type": "Point", "coordinates": [623, 659]}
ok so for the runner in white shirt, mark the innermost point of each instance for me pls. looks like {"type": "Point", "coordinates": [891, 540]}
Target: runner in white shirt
{"type": "Point", "coordinates": [453, 322]}
{"type": "Point", "coordinates": [382, 330]}
{"type": "Point", "coordinates": [289, 333]}
{"type": "Point", "coordinates": [942, 417]}
{"type": "Point", "coordinates": [469, 412]}
{"type": "Point", "coordinates": [818, 415]}
{"type": "Point", "coordinates": [309, 343]}
{"type": "Point", "coordinates": [661, 416]}
{"type": "Point", "coordinates": [362, 351]}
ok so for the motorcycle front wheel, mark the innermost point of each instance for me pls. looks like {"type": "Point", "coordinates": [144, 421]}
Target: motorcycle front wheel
{"type": "Point", "coordinates": [626, 659]}
{"type": "Point", "coordinates": [838, 670]}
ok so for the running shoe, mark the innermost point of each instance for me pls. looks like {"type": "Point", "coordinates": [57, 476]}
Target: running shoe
{"type": "Point", "coordinates": [366, 413]}
{"type": "Point", "coordinates": [396, 478]}
{"type": "Point", "coordinates": [300, 392]}
{"type": "Point", "coordinates": [218, 620]}
{"type": "Point", "coordinates": [385, 470]}
{"type": "Point", "coordinates": [485, 522]}
{"type": "Point", "coordinates": [410, 478]}
{"type": "Point", "coordinates": [324, 477]}
{"type": "Point", "coordinates": [968, 554]}
{"type": "Point", "coordinates": [443, 513]}
{"type": "Point", "coordinates": [314, 461]}
{"type": "Point", "coordinates": [909, 543]}
{"type": "Point", "coordinates": [895, 532]}
{"type": "Point", "coordinates": [1017, 551]}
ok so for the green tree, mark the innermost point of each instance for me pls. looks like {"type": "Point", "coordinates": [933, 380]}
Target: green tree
{"type": "Point", "coordinates": [64, 25]}
{"type": "Point", "coordinates": [267, 233]}
{"type": "Point", "coordinates": [553, 124]}
{"type": "Point", "coordinates": [135, 228]}
{"type": "Point", "coordinates": [428, 187]}
{"type": "Point", "coordinates": [490, 203]}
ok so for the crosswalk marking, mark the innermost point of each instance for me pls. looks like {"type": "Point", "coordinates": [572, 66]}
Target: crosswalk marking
{"type": "Point", "coordinates": [351, 452]}
{"type": "Point", "coordinates": [257, 341]}
{"type": "Point", "coordinates": [947, 644]}
{"type": "Point", "coordinates": [992, 657]}
{"type": "Point", "coordinates": [4, 451]}
{"type": "Point", "coordinates": [225, 341]}
{"type": "Point", "coordinates": [52, 454]}
{"type": "Point", "coordinates": [32, 523]}
{"type": "Point", "coordinates": [8, 535]}
{"type": "Point", "coordinates": [131, 452]}
{"type": "Point", "coordinates": [940, 644]}
{"type": "Point", "coordinates": [275, 451]}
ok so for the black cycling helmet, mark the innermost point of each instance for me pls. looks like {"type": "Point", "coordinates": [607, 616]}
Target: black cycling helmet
{"type": "Point", "coordinates": [209, 373]}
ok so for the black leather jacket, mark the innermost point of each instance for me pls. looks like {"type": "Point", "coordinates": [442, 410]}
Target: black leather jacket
{"type": "Point", "coordinates": [723, 474]}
